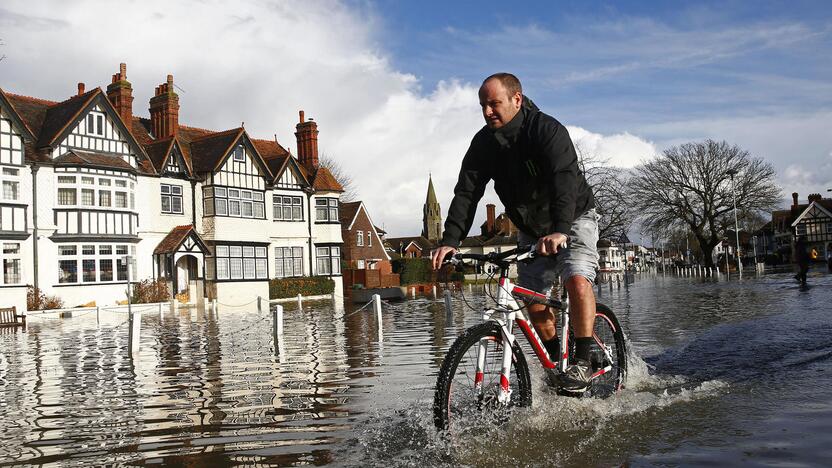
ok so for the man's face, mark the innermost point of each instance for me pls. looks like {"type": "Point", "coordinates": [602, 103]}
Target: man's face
{"type": "Point", "coordinates": [498, 108]}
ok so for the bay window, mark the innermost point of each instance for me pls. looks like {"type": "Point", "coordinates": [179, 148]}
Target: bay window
{"type": "Point", "coordinates": [235, 202]}
{"type": "Point", "coordinates": [326, 210]}
{"type": "Point", "coordinates": [11, 263]}
{"type": "Point", "coordinates": [287, 208]}
{"type": "Point", "coordinates": [240, 262]}
{"type": "Point", "coordinates": [328, 260]}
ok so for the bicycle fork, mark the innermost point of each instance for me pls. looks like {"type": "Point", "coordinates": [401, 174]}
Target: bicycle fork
{"type": "Point", "coordinates": [504, 394]}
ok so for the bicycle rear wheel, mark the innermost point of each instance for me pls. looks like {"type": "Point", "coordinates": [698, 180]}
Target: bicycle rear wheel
{"type": "Point", "coordinates": [608, 350]}
{"type": "Point", "coordinates": [460, 405]}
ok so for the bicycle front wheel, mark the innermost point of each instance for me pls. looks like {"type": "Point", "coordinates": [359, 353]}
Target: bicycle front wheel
{"type": "Point", "coordinates": [608, 351]}
{"type": "Point", "coordinates": [461, 399]}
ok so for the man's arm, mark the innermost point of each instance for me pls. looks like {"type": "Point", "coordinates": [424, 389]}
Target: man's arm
{"type": "Point", "coordinates": [473, 177]}
{"type": "Point", "coordinates": [558, 150]}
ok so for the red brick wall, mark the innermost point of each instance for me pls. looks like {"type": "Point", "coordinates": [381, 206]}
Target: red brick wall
{"type": "Point", "coordinates": [369, 279]}
{"type": "Point", "coordinates": [351, 251]}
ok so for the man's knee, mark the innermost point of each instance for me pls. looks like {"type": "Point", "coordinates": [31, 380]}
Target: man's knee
{"type": "Point", "coordinates": [579, 288]}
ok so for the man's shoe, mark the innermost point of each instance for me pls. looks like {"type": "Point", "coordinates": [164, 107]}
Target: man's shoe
{"type": "Point", "coordinates": [576, 377]}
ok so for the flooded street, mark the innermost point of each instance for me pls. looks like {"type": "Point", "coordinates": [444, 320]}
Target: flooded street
{"type": "Point", "coordinates": [721, 373]}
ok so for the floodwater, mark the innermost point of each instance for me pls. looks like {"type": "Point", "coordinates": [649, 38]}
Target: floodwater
{"type": "Point", "coordinates": [722, 373]}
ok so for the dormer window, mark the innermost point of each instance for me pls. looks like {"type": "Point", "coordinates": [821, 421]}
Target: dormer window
{"type": "Point", "coordinates": [95, 124]}
{"type": "Point", "coordinates": [240, 154]}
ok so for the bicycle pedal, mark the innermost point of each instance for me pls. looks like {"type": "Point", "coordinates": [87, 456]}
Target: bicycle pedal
{"type": "Point", "coordinates": [567, 393]}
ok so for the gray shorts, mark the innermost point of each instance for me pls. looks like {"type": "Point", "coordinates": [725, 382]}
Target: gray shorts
{"type": "Point", "coordinates": [579, 259]}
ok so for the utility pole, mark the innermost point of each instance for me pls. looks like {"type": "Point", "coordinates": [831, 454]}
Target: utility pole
{"type": "Point", "coordinates": [732, 173]}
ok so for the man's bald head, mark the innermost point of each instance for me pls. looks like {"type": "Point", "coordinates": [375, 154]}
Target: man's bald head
{"type": "Point", "coordinates": [509, 81]}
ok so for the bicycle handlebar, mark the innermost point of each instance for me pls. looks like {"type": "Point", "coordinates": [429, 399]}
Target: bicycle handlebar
{"type": "Point", "coordinates": [522, 253]}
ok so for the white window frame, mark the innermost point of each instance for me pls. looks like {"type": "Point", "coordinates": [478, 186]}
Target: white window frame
{"type": "Point", "coordinates": [240, 262]}
{"type": "Point", "coordinates": [359, 239]}
{"type": "Point", "coordinates": [328, 260]}
{"type": "Point", "coordinates": [234, 202]}
{"type": "Point", "coordinates": [97, 255]}
{"type": "Point", "coordinates": [283, 204]}
{"type": "Point", "coordinates": [326, 210]}
{"type": "Point", "coordinates": [10, 177]}
{"type": "Point", "coordinates": [169, 193]}
{"type": "Point", "coordinates": [239, 154]}
{"type": "Point", "coordinates": [11, 263]}
{"type": "Point", "coordinates": [288, 262]}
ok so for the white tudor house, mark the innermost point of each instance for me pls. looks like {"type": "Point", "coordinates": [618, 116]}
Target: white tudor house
{"type": "Point", "coordinates": [86, 183]}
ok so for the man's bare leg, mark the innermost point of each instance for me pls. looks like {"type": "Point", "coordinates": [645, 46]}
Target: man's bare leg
{"type": "Point", "coordinates": [543, 320]}
{"type": "Point", "coordinates": [581, 311]}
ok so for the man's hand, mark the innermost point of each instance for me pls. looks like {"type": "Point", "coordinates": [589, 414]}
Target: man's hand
{"type": "Point", "coordinates": [550, 244]}
{"type": "Point", "coordinates": [438, 255]}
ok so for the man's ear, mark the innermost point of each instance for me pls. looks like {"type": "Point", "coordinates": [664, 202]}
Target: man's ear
{"type": "Point", "coordinates": [518, 99]}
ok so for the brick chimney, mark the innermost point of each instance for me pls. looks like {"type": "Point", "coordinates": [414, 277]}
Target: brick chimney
{"type": "Point", "coordinates": [164, 111]}
{"type": "Point", "coordinates": [794, 200]}
{"type": "Point", "coordinates": [489, 218]}
{"type": "Point", "coordinates": [815, 197]}
{"type": "Point", "coordinates": [120, 94]}
{"type": "Point", "coordinates": [307, 136]}
{"type": "Point", "coordinates": [81, 87]}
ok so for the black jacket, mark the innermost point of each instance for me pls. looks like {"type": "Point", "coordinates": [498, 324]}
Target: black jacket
{"type": "Point", "coordinates": [535, 171]}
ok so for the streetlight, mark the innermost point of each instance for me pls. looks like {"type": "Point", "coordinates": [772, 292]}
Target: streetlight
{"type": "Point", "coordinates": [732, 173]}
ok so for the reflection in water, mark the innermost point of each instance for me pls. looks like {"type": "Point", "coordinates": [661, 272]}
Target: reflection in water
{"type": "Point", "coordinates": [725, 361]}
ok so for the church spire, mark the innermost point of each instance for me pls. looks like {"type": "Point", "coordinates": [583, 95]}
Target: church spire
{"type": "Point", "coordinates": [431, 215]}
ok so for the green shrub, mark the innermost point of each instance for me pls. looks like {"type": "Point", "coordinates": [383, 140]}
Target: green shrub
{"type": "Point", "coordinates": [149, 291]}
{"type": "Point", "coordinates": [280, 288]}
{"type": "Point", "coordinates": [413, 270]}
{"type": "Point", "coordinates": [457, 276]}
{"type": "Point", "coordinates": [36, 299]}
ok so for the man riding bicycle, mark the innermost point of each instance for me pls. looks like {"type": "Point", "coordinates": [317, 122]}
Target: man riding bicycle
{"type": "Point", "coordinates": [533, 163]}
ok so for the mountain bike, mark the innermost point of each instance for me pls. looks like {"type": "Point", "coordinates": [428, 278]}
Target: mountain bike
{"type": "Point", "coordinates": [485, 373]}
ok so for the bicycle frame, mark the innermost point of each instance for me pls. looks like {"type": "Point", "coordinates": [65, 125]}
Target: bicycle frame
{"type": "Point", "coordinates": [509, 313]}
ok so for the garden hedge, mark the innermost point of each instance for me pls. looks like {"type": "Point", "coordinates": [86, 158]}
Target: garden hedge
{"type": "Point", "coordinates": [280, 288]}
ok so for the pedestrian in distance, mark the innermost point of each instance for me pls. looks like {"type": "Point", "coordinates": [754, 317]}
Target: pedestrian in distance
{"type": "Point", "coordinates": [829, 257]}
{"type": "Point", "coordinates": [801, 259]}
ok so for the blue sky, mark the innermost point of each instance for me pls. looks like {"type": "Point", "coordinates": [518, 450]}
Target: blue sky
{"type": "Point", "coordinates": [392, 83]}
{"type": "Point", "coordinates": [620, 65]}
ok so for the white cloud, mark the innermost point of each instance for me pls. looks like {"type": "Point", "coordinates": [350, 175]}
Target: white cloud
{"type": "Point", "coordinates": [621, 150]}
{"type": "Point", "coordinates": [260, 62]}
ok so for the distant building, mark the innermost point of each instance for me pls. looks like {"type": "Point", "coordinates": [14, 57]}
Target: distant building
{"type": "Point", "coordinates": [815, 224]}
{"type": "Point", "coordinates": [366, 261]}
{"type": "Point", "coordinates": [811, 219]}
{"type": "Point", "coordinates": [431, 216]}
{"type": "Point", "coordinates": [611, 256]}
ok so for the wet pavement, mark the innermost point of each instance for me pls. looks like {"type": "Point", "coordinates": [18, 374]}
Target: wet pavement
{"type": "Point", "coordinates": [722, 373]}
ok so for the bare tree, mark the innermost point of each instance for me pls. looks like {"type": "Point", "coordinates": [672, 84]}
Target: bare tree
{"type": "Point", "coordinates": [609, 186]}
{"type": "Point", "coordinates": [688, 187]}
{"type": "Point", "coordinates": [342, 176]}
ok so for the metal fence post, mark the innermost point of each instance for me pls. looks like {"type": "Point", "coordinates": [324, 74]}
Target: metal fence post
{"type": "Point", "coordinates": [377, 307]}
{"type": "Point", "coordinates": [133, 340]}
{"type": "Point", "coordinates": [278, 321]}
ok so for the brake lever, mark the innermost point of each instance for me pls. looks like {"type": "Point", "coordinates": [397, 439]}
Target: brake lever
{"type": "Point", "coordinates": [530, 255]}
